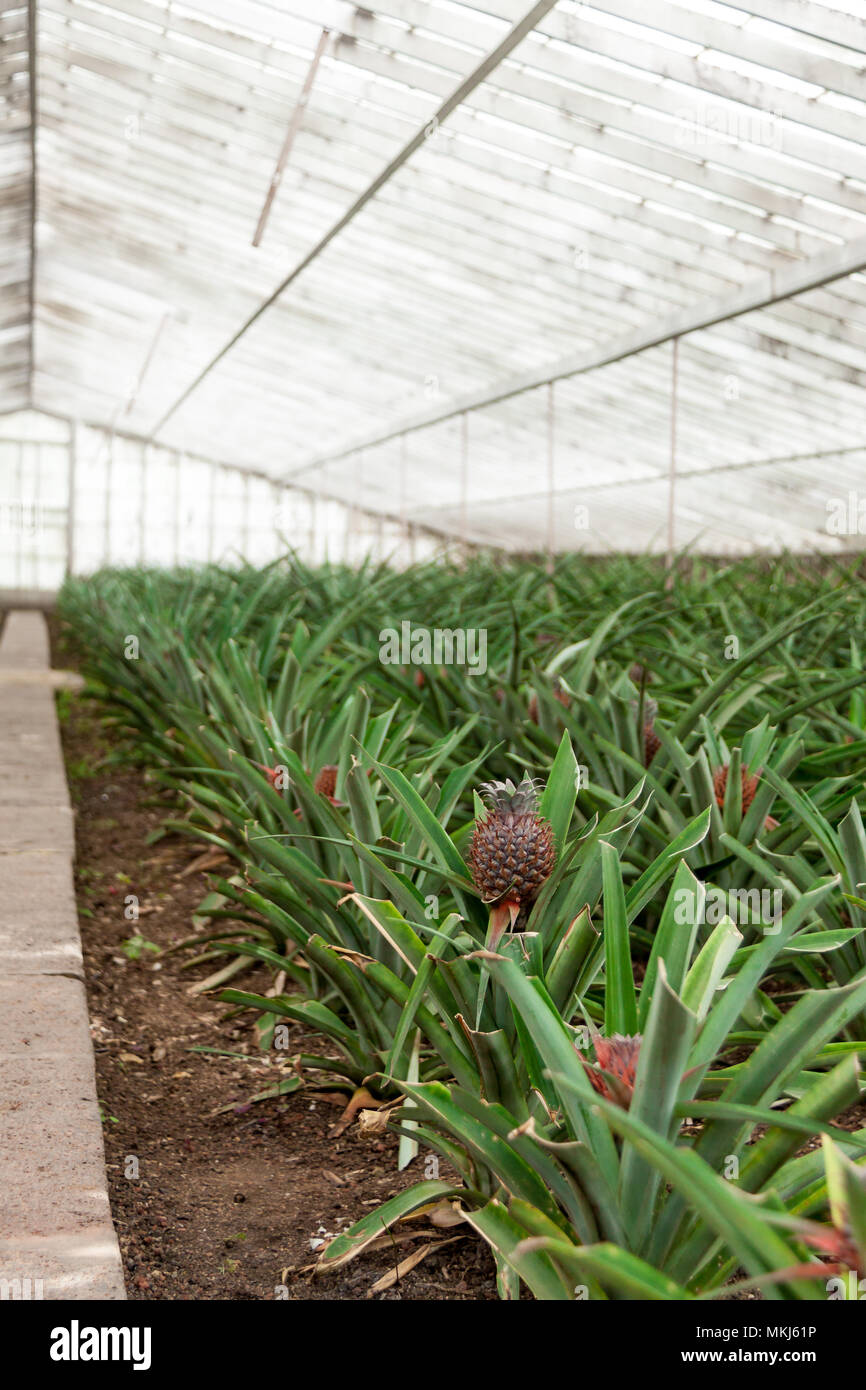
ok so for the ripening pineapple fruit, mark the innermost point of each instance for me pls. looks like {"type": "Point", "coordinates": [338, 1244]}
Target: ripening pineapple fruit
{"type": "Point", "coordinates": [651, 741]}
{"type": "Point", "coordinates": [326, 781]}
{"type": "Point", "coordinates": [615, 1071]}
{"type": "Point", "coordinates": [512, 850]}
{"type": "Point", "coordinates": [749, 787]}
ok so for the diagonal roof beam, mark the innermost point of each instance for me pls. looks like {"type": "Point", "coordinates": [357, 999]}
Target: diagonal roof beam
{"type": "Point", "coordinates": [479, 74]}
{"type": "Point", "coordinates": [764, 290]}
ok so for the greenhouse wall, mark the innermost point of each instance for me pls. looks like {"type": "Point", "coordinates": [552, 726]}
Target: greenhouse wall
{"type": "Point", "coordinates": [74, 498]}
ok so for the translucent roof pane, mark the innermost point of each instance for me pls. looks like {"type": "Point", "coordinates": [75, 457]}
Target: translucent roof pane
{"type": "Point", "coordinates": [615, 165]}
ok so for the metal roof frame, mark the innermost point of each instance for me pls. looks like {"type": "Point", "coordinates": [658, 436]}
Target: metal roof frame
{"type": "Point", "coordinates": [706, 158]}
{"type": "Point", "coordinates": [763, 292]}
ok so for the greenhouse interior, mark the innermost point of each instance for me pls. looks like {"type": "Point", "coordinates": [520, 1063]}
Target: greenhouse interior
{"type": "Point", "coordinates": [432, 641]}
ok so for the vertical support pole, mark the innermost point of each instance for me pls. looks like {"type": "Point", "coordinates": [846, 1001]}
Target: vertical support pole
{"type": "Point", "coordinates": [464, 479]}
{"type": "Point", "coordinates": [35, 517]}
{"type": "Point", "coordinates": [402, 487]}
{"type": "Point", "coordinates": [245, 519]}
{"type": "Point", "coordinates": [361, 518]}
{"type": "Point", "coordinates": [144, 455]}
{"type": "Point", "coordinates": [71, 498]}
{"type": "Point", "coordinates": [211, 514]}
{"type": "Point", "coordinates": [351, 514]}
{"type": "Point", "coordinates": [177, 463]}
{"type": "Point", "coordinates": [672, 474]}
{"type": "Point", "coordinates": [551, 459]}
{"type": "Point", "coordinates": [20, 521]}
{"type": "Point", "coordinates": [277, 493]}
{"type": "Point", "coordinates": [109, 482]}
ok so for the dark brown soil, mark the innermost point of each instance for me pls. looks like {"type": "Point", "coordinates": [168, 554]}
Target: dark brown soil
{"type": "Point", "coordinates": [225, 1205]}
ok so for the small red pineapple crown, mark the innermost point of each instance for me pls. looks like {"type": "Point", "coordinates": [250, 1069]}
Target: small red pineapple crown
{"type": "Point", "coordinates": [326, 781]}
{"type": "Point", "coordinates": [748, 783]}
{"type": "Point", "coordinates": [616, 1059]}
{"type": "Point", "coordinates": [839, 1245]}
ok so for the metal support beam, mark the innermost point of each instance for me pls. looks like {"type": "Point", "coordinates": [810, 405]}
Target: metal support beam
{"type": "Point", "coordinates": [211, 514]}
{"type": "Point", "coordinates": [34, 194]}
{"type": "Point", "coordinates": [759, 293]}
{"type": "Point", "coordinates": [464, 477]}
{"type": "Point", "coordinates": [109, 484]}
{"type": "Point", "coordinates": [551, 458]}
{"type": "Point", "coordinates": [178, 463]}
{"type": "Point", "coordinates": [294, 127]}
{"type": "Point", "coordinates": [142, 503]}
{"type": "Point", "coordinates": [682, 474]}
{"type": "Point", "coordinates": [516, 34]}
{"type": "Point", "coordinates": [124, 410]}
{"type": "Point", "coordinates": [245, 519]}
{"type": "Point", "coordinates": [672, 471]}
{"type": "Point", "coordinates": [439, 533]}
{"type": "Point", "coordinates": [71, 499]}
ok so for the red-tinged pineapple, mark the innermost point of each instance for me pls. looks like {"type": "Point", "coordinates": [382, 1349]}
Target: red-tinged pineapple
{"type": "Point", "coordinates": [616, 1067]}
{"type": "Point", "coordinates": [513, 849]}
{"type": "Point", "coordinates": [651, 741]}
{"type": "Point", "coordinates": [749, 788]}
{"type": "Point", "coordinates": [559, 693]}
{"type": "Point", "coordinates": [837, 1244]}
{"type": "Point", "coordinates": [277, 776]}
{"type": "Point", "coordinates": [326, 782]}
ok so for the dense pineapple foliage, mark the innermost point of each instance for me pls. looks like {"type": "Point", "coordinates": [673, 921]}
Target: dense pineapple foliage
{"type": "Point", "coordinates": [657, 917]}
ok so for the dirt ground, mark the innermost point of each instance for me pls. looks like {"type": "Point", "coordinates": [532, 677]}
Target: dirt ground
{"type": "Point", "coordinates": [227, 1203]}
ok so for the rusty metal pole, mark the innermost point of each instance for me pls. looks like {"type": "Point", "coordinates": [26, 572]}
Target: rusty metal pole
{"type": "Point", "coordinates": [294, 126]}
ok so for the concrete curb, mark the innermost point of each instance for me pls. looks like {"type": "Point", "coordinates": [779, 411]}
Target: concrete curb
{"type": "Point", "coordinates": [56, 1236]}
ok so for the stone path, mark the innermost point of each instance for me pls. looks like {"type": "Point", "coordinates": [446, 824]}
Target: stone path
{"type": "Point", "coordinates": [56, 1235]}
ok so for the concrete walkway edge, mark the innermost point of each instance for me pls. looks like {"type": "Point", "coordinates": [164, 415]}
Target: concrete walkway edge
{"type": "Point", "coordinates": [57, 1240]}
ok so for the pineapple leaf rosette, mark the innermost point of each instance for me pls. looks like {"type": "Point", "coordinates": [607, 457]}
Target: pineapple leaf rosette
{"type": "Point", "coordinates": [600, 1135]}
{"type": "Point", "coordinates": [576, 1091]}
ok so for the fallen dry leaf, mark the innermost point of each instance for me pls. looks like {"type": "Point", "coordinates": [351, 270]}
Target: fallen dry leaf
{"type": "Point", "coordinates": [388, 1280]}
{"type": "Point", "coordinates": [361, 1100]}
{"type": "Point", "coordinates": [373, 1121]}
{"type": "Point", "coordinates": [209, 860]}
{"type": "Point", "coordinates": [446, 1214]}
